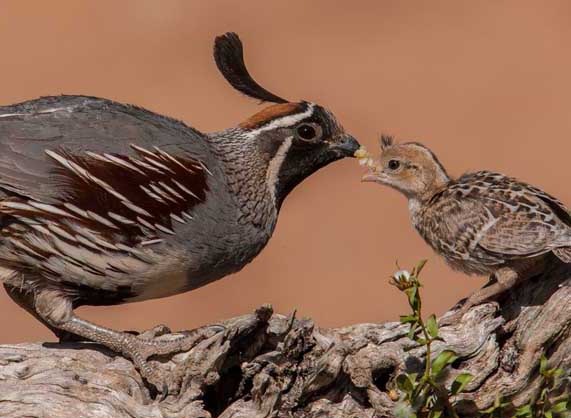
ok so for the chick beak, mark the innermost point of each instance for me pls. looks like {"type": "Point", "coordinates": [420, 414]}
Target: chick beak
{"type": "Point", "coordinates": [372, 177]}
{"type": "Point", "coordinates": [347, 146]}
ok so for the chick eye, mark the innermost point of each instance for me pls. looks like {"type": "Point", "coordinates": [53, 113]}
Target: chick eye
{"type": "Point", "coordinates": [308, 131]}
{"type": "Point", "coordinates": [394, 164]}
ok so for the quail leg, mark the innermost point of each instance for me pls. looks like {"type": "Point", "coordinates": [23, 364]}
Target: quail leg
{"type": "Point", "coordinates": [25, 299]}
{"type": "Point", "coordinates": [56, 311]}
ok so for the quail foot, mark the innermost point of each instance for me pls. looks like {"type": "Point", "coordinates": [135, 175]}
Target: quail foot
{"type": "Point", "coordinates": [103, 203]}
{"type": "Point", "coordinates": [482, 223]}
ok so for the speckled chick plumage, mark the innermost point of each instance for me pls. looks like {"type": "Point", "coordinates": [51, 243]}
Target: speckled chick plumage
{"type": "Point", "coordinates": [482, 222]}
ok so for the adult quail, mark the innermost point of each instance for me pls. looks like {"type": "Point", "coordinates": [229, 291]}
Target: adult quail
{"type": "Point", "coordinates": [104, 203]}
{"type": "Point", "coordinates": [481, 222]}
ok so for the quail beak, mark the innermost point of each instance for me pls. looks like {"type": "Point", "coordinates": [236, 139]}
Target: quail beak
{"type": "Point", "coordinates": [347, 146]}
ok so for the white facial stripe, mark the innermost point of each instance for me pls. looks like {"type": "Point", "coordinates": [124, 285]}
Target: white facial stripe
{"type": "Point", "coordinates": [282, 122]}
{"type": "Point", "coordinates": [275, 166]}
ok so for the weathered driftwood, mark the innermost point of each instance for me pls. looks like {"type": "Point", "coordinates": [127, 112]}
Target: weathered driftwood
{"type": "Point", "coordinates": [269, 365]}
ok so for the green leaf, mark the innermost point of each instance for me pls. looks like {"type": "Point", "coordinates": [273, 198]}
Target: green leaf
{"type": "Point", "coordinates": [413, 377]}
{"type": "Point", "coordinates": [543, 364]}
{"type": "Point", "coordinates": [432, 326]}
{"type": "Point", "coordinates": [407, 319]}
{"type": "Point", "coordinates": [419, 267]}
{"type": "Point", "coordinates": [412, 294]}
{"type": "Point", "coordinates": [405, 383]}
{"type": "Point", "coordinates": [548, 414]}
{"type": "Point", "coordinates": [436, 414]}
{"type": "Point", "coordinates": [442, 360]}
{"type": "Point", "coordinates": [560, 407]}
{"type": "Point", "coordinates": [460, 383]}
{"type": "Point", "coordinates": [524, 411]}
{"type": "Point", "coordinates": [412, 330]}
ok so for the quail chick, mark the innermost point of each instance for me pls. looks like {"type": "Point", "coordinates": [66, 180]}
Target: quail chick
{"type": "Point", "coordinates": [481, 223]}
{"type": "Point", "coordinates": [103, 203]}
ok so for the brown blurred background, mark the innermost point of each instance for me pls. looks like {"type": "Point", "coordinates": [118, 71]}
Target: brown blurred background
{"type": "Point", "coordinates": [485, 84]}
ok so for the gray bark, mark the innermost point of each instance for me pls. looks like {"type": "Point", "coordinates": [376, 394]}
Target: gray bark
{"type": "Point", "coordinates": [270, 365]}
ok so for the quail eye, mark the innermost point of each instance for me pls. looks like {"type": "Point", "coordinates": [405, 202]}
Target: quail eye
{"type": "Point", "coordinates": [394, 164]}
{"type": "Point", "coordinates": [308, 131]}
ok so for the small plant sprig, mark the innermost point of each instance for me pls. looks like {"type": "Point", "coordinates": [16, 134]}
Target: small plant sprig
{"type": "Point", "coordinates": [552, 401]}
{"type": "Point", "coordinates": [423, 396]}
{"type": "Point", "coordinates": [547, 404]}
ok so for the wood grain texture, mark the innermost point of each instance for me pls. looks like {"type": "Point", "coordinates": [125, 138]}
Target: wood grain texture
{"type": "Point", "coordinates": [270, 365]}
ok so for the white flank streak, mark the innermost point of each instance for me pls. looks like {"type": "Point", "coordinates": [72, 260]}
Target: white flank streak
{"type": "Point", "coordinates": [205, 168]}
{"type": "Point", "coordinates": [101, 219]}
{"type": "Point", "coordinates": [151, 242]}
{"type": "Point", "coordinates": [170, 190]}
{"type": "Point", "coordinates": [123, 163]}
{"type": "Point", "coordinates": [41, 229]}
{"type": "Point", "coordinates": [177, 218]}
{"type": "Point", "coordinates": [50, 209]}
{"type": "Point", "coordinates": [133, 251]}
{"type": "Point", "coordinates": [57, 109]}
{"type": "Point", "coordinates": [87, 243]}
{"type": "Point", "coordinates": [147, 166]}
{"type": "Point", "coordinates": [105, 244]}
{"type": "Point", "coordinates": [157, 164]}
{"type": "Point", "coordinates": [142, 150]}
{"type": "Point", "coordinates": [27, 249]}
{"type": "Point", "coordinates": [27, 221]}
{"type": "Point", "coordinates": [161, 193]}
{"type": "Point", "coordinates": [275, 165]}
{"type": "Point", "coordinates": [145, 223]}
{"type": "Point", "coordinates": [76, 210]}
{"type": "Point", "coordinates": [42, 244]}
{"type": "Point", "coordinates": [152, 195]}
{"type": "Point", "coordinates": [136, 208]}
{"type": "Point", "coordinates": [92, 237]}
{"type": "Point", "coordinates": [184, 189]}
{"type": "Point", "coordinates": [171, 158]}
{"type": "Point", "coordinates": [282, 122]}
{"type": "Point", "coordinates": [59, 231]}
{"type": "Point", "coordinates": [16, 205]}
{"type": "Point", "coordinates": [164, 229]}
{"type": "Point", "coordinates": [187, 216]}
{"type": "Point", "coordinates": [51, 110]}
{"type": "Point", "coordinates": [97, 156]}
{"type": "Point", "coordinates": [120, 218]}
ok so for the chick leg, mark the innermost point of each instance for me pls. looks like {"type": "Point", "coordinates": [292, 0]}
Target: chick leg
{"type": "Point", "coordinates": [506, 278]}
{"type": "Point", "coordinates": [56, 311]}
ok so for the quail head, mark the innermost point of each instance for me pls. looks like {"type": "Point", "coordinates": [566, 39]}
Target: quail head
{"type": "Point", "coordinates": [104, 203]}
{"type": "Point", "coordinates": [481, 222]}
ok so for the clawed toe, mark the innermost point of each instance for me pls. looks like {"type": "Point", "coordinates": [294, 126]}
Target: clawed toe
{"type": "Point", "coordinates": [156, 331]}
{"type": "Point", "coordinates": [139, 348]}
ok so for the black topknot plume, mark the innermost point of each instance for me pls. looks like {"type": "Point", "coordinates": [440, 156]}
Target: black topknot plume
{"type": "Point", "coordinates": [386, 141]}
{"type": "Point", "coordinates": [229, 56]}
